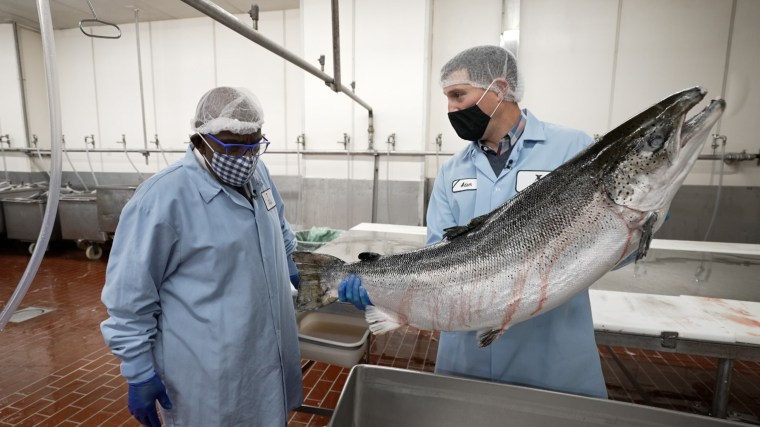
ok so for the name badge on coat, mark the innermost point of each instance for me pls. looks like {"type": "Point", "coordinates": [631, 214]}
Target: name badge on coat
{"type": "Point", "coordinates": [526, 178]}
{"type": "Point", "coordinates": [466, 184]}
{"type": "Point", "coordinates": [268, 199]}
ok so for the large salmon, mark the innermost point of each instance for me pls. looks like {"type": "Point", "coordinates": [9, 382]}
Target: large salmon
{"type": "Point", "coordinates": [540, 248]}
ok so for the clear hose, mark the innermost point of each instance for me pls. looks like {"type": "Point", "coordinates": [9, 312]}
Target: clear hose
{"type": "Point", "coordinates": [299, 154]}
{"type": "Point", "coordinates": [131, 163]}
{"type": "Point", "coordinates": [54, 106]}
{"type": "Point", "coordinates": [66, 153]}
{"type": "Point", "coordinates": [704, 270]}
{"type": "Point", "coordinates": [89, 162]}
{"type": "Point", "coordinates": [388, 183]}
{"type": "Point", "coordinates": [5, 165]}
{"type": "Point", "coordinates": [39, 155]}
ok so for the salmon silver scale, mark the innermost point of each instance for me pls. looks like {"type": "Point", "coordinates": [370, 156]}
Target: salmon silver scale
{"type": "Point", "coordinates": [540, 248]}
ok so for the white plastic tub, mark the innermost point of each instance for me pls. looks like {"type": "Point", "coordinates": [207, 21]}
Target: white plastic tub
{"type": "Point", "coordinates": [332, 338]}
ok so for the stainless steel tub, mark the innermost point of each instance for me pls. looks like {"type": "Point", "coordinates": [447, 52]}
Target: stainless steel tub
{"type": "Point", "coordinates": [79, 218]}
{"type": "Point", "coordinates": [23, 219]}
{"type": "Point", "coordinates": [111, 200]}
{"type": "Point", "coordinates": [10, 193]}
{"type": "Point", "coordinates": [380, 396]}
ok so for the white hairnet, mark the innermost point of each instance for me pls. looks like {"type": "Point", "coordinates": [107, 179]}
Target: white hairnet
{"type": "Point", "coordinates": [479, 66]}
{"type": "Point", "coordinates": [235, 110]}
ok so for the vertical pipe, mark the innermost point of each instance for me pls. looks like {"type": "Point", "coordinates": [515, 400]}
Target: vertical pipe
{"type": "Point", "coordinates": [139, 74]}
{"type": "Point", "coordinates": [54, 107]}
{"type": "Point", "coordinates": [336, 46]}
{"type": "Point", "coordinates": [375, 183]}
{"type": "Point", "coordinates": [722, 386]}
{"type": "Point", "coordinates": [22, 82]}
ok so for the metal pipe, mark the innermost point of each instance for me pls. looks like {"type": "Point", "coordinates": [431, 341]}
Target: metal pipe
{"type": "Point", "coordinates": [269, 151]}
{"type": "Point", "coordinates": [22, 80]}
{"type": "Point", "coordinates": [54, 106]}
{"type": "Point", "coordinates": [228, 20]}
{"type": "Point", "coordinates": [139, 74]}
{"type": "Point", "coordinates": [722, 386]}
{"type": "Point", "coordinates": [336, 46]}
{"type": "Point", "coordinates": [3, 139]}
{"type": "Point", "coordinates": [729, 157]}
{"type": "Point", "coordinates": [254, 14]}
{"type": "Point", "coordinates": [375, 183]}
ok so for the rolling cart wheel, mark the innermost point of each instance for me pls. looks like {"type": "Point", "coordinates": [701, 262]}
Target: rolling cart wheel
{"type": "Point", "coordinates": [94, 252]}
{"type": "Point", "coordinates": [81, 244]}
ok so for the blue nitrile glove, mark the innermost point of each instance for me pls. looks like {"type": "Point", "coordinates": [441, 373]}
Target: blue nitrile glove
{"type": "Point", "coordinates": [295, 279]}
{"type": "Point", "coordinates": [142, 400]}
{"type": "Point", "coordinates": [351, 290]}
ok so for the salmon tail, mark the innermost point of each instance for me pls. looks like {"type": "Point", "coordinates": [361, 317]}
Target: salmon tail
{"type": "Point", "coordinates": [314, 289]}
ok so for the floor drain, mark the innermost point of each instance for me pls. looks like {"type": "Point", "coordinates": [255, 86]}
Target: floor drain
{"type": "Point", "coordinates": [29, 313]}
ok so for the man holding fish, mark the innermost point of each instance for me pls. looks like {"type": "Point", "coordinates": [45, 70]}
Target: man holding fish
{"type": "Point", "coordinates": [509, 149]}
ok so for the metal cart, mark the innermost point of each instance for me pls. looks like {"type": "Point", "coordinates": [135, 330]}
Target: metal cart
{"type": "Point", "coordinates": [110, 201]}
{"type": "Point", "coordinates": [78, 214]}
{"type": "Point", "coordinates": [23, 219]}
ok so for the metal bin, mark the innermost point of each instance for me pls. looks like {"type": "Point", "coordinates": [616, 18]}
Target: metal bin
{"type": "Point", "coordinates": [111, 200]}
{"type": "Point", "coordinates": [381, 396]}
{"type": "Point", "coordinates": [23, 220]}
{"type": "Point", "coordinates": [79, 222]}
{"type": "Point", "coordinates": [12, 192]}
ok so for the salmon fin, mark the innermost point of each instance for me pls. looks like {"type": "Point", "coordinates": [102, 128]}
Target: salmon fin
{"type": "Point", "coordinates": [369, 256]}
{"type": "Point", "coordinates": [647, 230]}
{"type": "Point", "coordinates": [379, 321]}
{"type": "Point", "coordinates": [314, 290]}
{"type": "Point", "coordinates": [488, 336]}
{"type": "Point", "coordinates": [454, 232]}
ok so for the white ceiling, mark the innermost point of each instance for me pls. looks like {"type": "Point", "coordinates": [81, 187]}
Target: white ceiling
{"type": "Point", "coordinates": [68, 13]}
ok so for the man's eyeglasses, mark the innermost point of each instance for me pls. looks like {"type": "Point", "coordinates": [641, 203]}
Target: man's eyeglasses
{"type": "Point", "coordinates": [240, 150]}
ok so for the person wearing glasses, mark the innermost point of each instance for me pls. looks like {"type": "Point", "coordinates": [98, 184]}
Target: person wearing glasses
{"type": "Point", "coordinates": [197, 285]}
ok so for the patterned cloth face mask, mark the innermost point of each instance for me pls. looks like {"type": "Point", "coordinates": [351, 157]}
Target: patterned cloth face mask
{"type": "Point", "coordinates": [234, 170]}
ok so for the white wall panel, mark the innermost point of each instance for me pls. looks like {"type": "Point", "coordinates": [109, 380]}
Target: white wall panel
{"type": "Point", "coordinates": [566, 56]}
{"type": "Point", "coordinates": [294, 89]}
{"type": "Point", "coordinates": [576, 74]}
{"type": "Point", "coordinates": [11, 112]}
{"type": "Point", "coordinates": [390, 65]}
{"type": "Point", "coordinates": [242, 63]}
{"type": "Point", "coordinates": [36, 86]}
{"type": "Point", "coordinates": [739, 122]}
{"type": "Point", "coordinates": [456, 26]}
{"type": "Point", "coordinates": [668, 46]}
{"type": "Point", "coordinates": [118, 90]}
{"type": "Point", "coordinates": [76, 78]}
{"type": "Point", "coordinates": [183, 70]}
{"type": "Point", "coordinates": [327, 113]}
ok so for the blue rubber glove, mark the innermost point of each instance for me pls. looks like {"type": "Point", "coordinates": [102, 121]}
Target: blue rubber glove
{"type": "Point", "coordinates": [351, 290]}
{"type": "Point", "coordinates": [142, 400]}
{"type": "Point", "coordinates": [295, 279]}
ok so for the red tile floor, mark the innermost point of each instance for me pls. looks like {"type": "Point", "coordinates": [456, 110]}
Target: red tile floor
{"type": "Point", "coordinates": [56, 371]}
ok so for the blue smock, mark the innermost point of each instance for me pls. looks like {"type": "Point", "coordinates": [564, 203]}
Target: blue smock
{"type": "Point", "coordinates": [555, 350]}
{"type": "Point", "coordinates": [197, 288]}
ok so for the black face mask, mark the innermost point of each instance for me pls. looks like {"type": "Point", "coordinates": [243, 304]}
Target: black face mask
{"type": "Point", "coordinates": [471, 123]}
